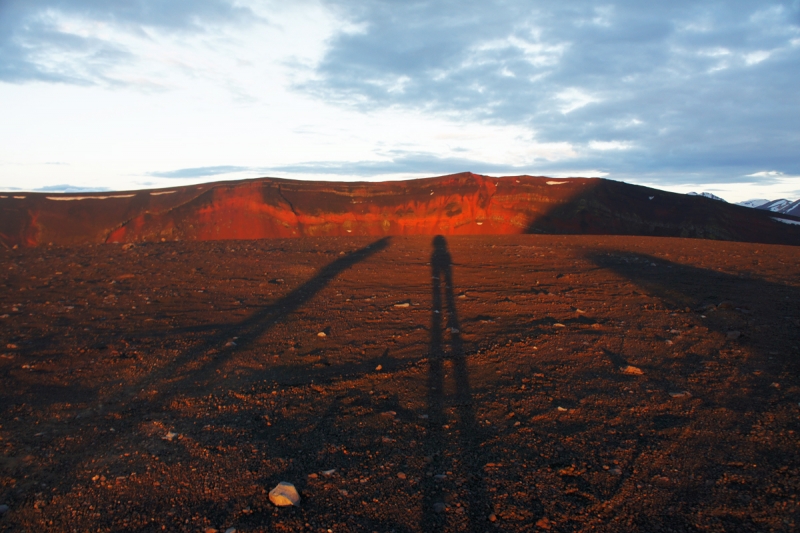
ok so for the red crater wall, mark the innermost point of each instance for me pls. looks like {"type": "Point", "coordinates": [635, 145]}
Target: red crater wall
{"type": "Point", "coordinates": [458, 204]}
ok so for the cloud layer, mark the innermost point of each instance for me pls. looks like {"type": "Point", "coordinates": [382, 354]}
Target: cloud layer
{"type": "Point", "coordinates": [671, 94]}
{"type": "Point", "coordinates": [673, 88]}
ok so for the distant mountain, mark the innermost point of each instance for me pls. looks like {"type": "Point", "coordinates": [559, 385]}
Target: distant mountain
{"type": "Point", "coordinates": [756, 202]}
{"type": "Point", "coordinates": [707, 195]}
{"type": "Point", "coordinates": [782, 206]}
{"type": "Point", "coordinates": [457, 204]}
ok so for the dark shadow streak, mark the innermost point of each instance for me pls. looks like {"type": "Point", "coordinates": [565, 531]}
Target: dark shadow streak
{"type": "Point", "coordinates": [478, 506]}
{"type": "Point", "coordinates": [250, 329]}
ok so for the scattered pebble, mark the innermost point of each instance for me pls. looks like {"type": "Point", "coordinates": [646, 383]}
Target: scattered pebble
{"type": "Point", "coordinates": [322, 334]}
{"type": "Point", "coordinates": [379, 368]}
{"type": "Point", "coordinates": [230, 344]}
{"type": "Point", "coordinates": [328, 473]}
{"type": "Point", "coordinates": [170, 436]}
{"type": "Point", "coordinates": [559, 325]}
{"type": "Point", "coordinates": [680, 394]}
{"type": "Point", "coordinates": [562, 409]}
{"type": "Point", "coordinates": [402, 304]}
{"type": "Point", "coordinates": [284, 494]}
{"type": "Point", "coordinates": [401, 475]}
{"type": "Point", "coordinates": [543, 523]}
{"type": "Point", "coordinates": [631, 370]}
{"type": "Point", "coordinates": [391, 414]}
{"type": "Point", "coordinates": [492, 517]}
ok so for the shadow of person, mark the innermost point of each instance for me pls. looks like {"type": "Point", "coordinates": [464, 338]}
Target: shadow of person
{"type": "Point", "coordinates": [446, 352]}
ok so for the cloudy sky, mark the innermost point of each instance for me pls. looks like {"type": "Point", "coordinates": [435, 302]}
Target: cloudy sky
{"type": "Point", "coordinates": [122, 94]}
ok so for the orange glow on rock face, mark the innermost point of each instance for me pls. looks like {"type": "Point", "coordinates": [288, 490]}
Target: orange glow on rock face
{"type": "Point", "coordinates": [458, 204]}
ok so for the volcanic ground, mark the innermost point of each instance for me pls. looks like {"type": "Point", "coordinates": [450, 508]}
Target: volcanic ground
{"type": "Point", "coordinates": [459, 383]}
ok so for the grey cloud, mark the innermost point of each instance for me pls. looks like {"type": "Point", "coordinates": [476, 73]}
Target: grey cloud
{"type": "Point", "coordinates": [33, 48]}
{"type": "Point", "coordinates": [198, 172]}
{"type": "Point", "coordinates": [401, 163]}
{"type": "Point", "coordinates": [70, 188]}
{"type": "Point", "coordinates": [519, 62]}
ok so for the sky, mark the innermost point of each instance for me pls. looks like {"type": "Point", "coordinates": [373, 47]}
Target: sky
{"type": "Point", "coordinates": [131, 94]}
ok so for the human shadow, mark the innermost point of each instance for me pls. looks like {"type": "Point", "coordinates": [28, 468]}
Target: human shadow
{"type": "Point", "coordinates": [734, 305]}
{"type": "Point", "coordinates": [221, 340]}
{"type": "Point", "coordinates": [437, 444]}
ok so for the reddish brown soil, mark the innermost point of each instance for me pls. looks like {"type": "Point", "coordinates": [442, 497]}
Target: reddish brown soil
{"type": "Point", "coordinates": [483, 402]}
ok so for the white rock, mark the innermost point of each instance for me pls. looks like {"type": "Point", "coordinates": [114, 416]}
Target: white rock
{"type": "Point", "coordinates": [284, 494]}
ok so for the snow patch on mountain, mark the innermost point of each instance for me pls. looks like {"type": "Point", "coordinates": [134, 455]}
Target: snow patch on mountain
{"type": "Point", "coordinates": [707, 195]}
{"type": "Point", "coordinates": [782, 206]}
{"type": "Point", "coordinates": [786, 221]}
{"type": "Point", "coordinates": [755, 202]}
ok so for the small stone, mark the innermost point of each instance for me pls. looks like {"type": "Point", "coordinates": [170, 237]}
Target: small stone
{"type": "Point", "coordinates": [439, 507]}
{"type": "Point", "coordinates": [543, 523]}
{"type": "Point", "coordinates": [170, 436]}
{"type": "Point", "coordinates": [322, 334]}
{"type": "Point", "coordinates": [313, 476]}
{"type": "Point", "coordinates": [402, 304]}
{"type": "Point", "coordinates": [328, 473]}
{"type": "Point", "coordinates": [492, 517]}
{"type": "Point", "coordinates": [379, 368]}
{"type": "Point", "coordinates": [733, 335]}
{"type": "Point", "coordinates": [580, 312]}
{"type": "Point", "coordinates": [284, 494]}
{"type": "Point", "coordinates": [559, 325]}
{"type": "Point", "coordinates": [631, 370]}
{"type": "Point", "coordinates": [455, 330]}
{"type": "Point", "coordinates": [230, 344]}
{"type": "Point", "coordinates": [680, 394]}
{"type": "Point", "coordinates": [389, 414]}
{"type": "Point", "coordinates": [562, 409]}
{"type": "Point", "coordinates": [401, 475]}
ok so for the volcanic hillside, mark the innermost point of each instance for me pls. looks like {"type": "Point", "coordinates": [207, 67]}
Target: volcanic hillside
{"type": "Point", "coordinates": [458, 204]}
